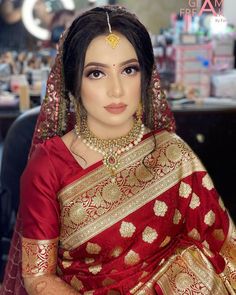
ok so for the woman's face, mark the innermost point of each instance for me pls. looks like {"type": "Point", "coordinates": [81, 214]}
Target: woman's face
{"type": "Point", "coordinates": [111, 86]}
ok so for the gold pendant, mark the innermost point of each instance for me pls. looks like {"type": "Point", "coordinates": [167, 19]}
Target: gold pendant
{"type": "Point", "coordinates": [112, 40]}
{"type": "Point", "coordinates": [111, 161]}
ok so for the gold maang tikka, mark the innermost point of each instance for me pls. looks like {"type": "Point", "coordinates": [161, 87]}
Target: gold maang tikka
{"type": "Point", "coordinates": [111, 39]}
{"type": "Point", "coordinates": [139, 112]}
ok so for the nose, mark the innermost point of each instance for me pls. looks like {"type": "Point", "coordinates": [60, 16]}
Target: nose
{"type": "Point", "coordinates": [115, 87]}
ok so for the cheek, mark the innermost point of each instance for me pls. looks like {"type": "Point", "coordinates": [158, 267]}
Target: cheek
{"type": "Point", "coordinates": [91, 98]}
{"type": "Point", "coordinates": [134, 90]}
{"type": "Point", "coordinates": [92, 89]}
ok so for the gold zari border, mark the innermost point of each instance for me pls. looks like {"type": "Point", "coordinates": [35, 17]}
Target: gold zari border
{"type": "Point", "coordinates": [173, 160]}
{"type": "Point", "coordinates": [39, 257]}
{"type": "Point", "coordinates": [228, 251]}
{"type": "Point", "coordinates": [188, 272]}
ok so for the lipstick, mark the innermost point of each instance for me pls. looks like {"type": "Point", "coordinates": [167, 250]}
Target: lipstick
{"type": "Point", "coordinates": [116, 108]}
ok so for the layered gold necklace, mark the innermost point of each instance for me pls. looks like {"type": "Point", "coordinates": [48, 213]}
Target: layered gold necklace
{"type": "Point", "coordinates": [111, 149]}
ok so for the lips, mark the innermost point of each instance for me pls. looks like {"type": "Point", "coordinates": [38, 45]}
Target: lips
{"type": "Point", "coordinates": [116, 108]}
{"type": "Point", "coordinates": [115, 105]}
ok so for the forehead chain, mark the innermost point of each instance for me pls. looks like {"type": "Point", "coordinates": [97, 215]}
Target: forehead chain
{"type": "Point", "coordinates": [112, 39]}
{"type": "Point", "coordinates": [108, 22]}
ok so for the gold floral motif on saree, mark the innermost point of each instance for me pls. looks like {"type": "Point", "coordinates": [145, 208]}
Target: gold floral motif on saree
{"type": "Point", "coordinates": [96, 204]}
{"type": "Point", "coordinates": [66, 255]}
{"type": "Point", "coordinates": [95, 269]}
{"type": "Point", "coordinates": [92, 248]}
{"type": "Point", "coordinates": [39, 257]}
{"type": "Point", "coordinates": [163, 161]}
{"type": "Point", "coordinates": [207, 182]}
{"type": "Point", "coordinates": [111, 193]}
{"type": "Point", "coordinates": [183, 281]}
{"type": "Point", "coordinates": [149, 235]}
{"type": "Point", "coordinates": [173, 153]}
{"type": "Point", "coordinates": [160, 208]}
{"type": "Point", "coordinates": [66, 263]}
{"type": "Point", "coordinates": [131, 258]}
{"type": "Point", "coordinates": [177, 217]}
{"type": "Point", "coordinates": [184, 190]}
{"type": "Point", "coordinates": [195, 201]}
{"type": "Point", "coordinates": [142, 174]}
{"type": "Point", "coordinates": [209, 218]}
{"type": "Point", "coordinates": [77, 213]}
{"type": "Point", "coordinates": [194, 234]}
{"type": "Point", "coordinates": [127, 229]}
{"type": "Point", "coordinates": [77, 284]}
{"type": "Point", "coordinates": [218, 234]}
{"type": "Point", "coordinates": [116, 252]}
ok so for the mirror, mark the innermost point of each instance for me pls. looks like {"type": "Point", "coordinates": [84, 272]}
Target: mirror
{"type": "Point", "coordinates": [37, 15]}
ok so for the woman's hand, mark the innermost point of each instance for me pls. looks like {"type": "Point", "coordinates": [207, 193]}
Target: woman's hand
{"type": "Point", "coordinates": [48, 285]}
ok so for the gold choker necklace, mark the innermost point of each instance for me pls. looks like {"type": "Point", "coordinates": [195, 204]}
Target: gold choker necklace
{"type": "Point", "coordinates": [111, 149]}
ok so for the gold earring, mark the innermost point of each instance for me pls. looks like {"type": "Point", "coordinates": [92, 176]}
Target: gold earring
{"type": "Point", "coordinates": [77, 115]}
{"type": "Point", "coordinates": [139, 112]}
{"type": "Point", "coordinates": [76, 105]}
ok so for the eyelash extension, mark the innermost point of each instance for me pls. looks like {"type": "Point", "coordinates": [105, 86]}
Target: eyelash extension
{"type": "Point", "coordinates": [135, 67]}
{"type": "Point", "coordinates": [92, 71]}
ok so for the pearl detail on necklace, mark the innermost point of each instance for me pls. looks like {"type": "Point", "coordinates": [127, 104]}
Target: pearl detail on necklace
{"type": "Point", "coordinates": [111, 149]}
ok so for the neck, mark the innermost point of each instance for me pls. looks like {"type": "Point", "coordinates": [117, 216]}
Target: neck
{"type": "Point", "coordinates": [104, 131]}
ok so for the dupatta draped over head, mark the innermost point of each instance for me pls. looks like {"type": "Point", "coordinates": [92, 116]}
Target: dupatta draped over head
{"type": "Point", "coordinates": [159, 231]}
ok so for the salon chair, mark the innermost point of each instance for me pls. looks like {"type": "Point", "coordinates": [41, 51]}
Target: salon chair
{"type": "Point", "coordinates": [211, 133]}
{"type": "Point", "coordinates": [15, 153]}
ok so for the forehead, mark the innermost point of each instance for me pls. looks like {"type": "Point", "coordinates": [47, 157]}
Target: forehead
{"type": "Point", "coordinates": [100, 51]}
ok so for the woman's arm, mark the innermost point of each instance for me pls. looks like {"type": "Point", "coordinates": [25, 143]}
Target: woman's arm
{"type": "Point", "coordinates": [48, 285]}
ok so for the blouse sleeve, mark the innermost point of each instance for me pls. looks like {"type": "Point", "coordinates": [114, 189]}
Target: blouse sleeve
{"type": "Point", "coordinates": [39, 211]}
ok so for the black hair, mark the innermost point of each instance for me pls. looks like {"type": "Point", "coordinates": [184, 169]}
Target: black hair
{"type": "Point", "coordinates": [93, 23]}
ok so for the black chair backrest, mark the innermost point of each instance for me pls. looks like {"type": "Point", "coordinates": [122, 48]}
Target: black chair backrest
{"type": "Point", "coordinates": [14, 158]}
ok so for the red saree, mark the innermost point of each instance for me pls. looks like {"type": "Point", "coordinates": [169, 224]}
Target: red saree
{"type": "Point", "coordinates": [160, 229]}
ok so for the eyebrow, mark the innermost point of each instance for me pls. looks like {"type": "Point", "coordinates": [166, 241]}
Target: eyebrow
{"type": "Point", "coordinates": [98, 64]}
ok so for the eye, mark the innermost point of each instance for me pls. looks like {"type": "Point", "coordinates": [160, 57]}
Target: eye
{"type": "Point", "coordinates": [131, 70]}
{"type": "Point", "coordinates": [95, 74]}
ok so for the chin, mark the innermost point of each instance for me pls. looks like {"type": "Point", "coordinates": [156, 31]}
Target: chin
{"type": "Point", "coordinates": [118, 120]}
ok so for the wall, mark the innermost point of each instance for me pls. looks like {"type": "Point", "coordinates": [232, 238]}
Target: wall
{"type": "Point", "coordinates": [155, 14]}
{"type": "Point", "coordinates": [229, 11]}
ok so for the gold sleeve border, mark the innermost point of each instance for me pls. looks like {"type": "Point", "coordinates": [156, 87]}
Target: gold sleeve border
{"type": "Point", "coordinates": [39, 257]}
